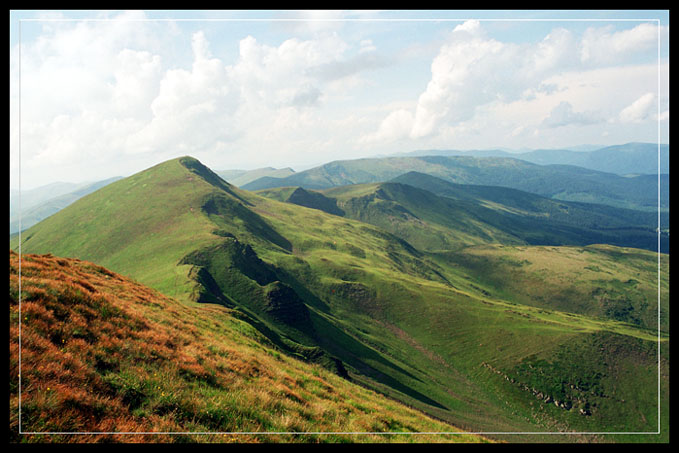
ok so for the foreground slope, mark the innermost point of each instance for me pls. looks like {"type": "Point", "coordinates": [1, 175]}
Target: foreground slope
{"type": "Point", "coordinates": [101, 353]}
{"type": "Point", "coordinates": [421, 327]}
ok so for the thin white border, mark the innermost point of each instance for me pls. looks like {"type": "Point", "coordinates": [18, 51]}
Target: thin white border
{"type": "Point", "coordinates": [226, 19]}
{"type": "Point", "coordinates": [20, 226]}
{"type": "Point", "coordinates": [345, 20]}
{"type": "Point", "coordinates": [659, 225]}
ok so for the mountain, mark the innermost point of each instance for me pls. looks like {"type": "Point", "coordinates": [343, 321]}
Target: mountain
{"type": "Point", "coordinates": [102, 353]}
{"type": "Point", "coordinates": [630, 158]}
{"type": "Point", "coordinates": [568, 344]}
{"type": "Point", "coordinates": [561, 182]}
{"type": "Point", "coordinates": [241, 177]}
{"type": "Point", "coordinates": [40, 207]}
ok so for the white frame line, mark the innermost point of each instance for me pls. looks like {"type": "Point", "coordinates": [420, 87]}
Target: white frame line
{"type": "Point", "coordinates": [343, 20]}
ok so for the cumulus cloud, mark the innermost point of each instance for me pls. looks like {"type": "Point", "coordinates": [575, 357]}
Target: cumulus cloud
{"type": "Point", "coordinates": [367, 46]}
{"type": "Point", "coordinates": [472, 70]}
{"type": "Point", "coordinates": [137, 75]}
{"type": "Point", "coordinates": [270, 74]}
{"type": "Point", "coordinates": [192, 109]}
{"type": "Point", "coordinates": [640, 109]}
{"type": "Point", "coordinates": [462, 77]}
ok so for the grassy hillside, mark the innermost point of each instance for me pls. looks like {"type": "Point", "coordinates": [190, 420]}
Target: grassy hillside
{"type": "Point", "coordinates": [564, 182]}
{"type": "Point", "coordinates": [419, 327]}
{"type": "Point", "coordinates": [101, 353]}
{"type": "Point", "coordinates": [600, 281]}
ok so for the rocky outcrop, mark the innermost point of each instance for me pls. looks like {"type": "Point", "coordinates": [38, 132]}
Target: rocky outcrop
{"type": "Point", "coordinates": [566, 404]}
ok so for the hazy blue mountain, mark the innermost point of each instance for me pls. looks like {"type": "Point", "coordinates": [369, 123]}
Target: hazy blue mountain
{"type": "Point", "coordinates": [630, 158]}
{"type": "Point", "coordinates": [39, 206]}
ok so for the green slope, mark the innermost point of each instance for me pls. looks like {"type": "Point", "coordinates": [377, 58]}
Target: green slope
{"type": "Point", "coordinates": [420, 327]}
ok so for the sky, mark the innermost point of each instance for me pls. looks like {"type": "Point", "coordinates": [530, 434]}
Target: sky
{"type": "Point", "coordinates": [96, 94]}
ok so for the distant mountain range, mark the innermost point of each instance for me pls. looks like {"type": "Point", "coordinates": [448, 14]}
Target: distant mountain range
{"type": "Point", "coordinates": [562, 182]}
{"type": "Point", "coordinates": [630, 158]}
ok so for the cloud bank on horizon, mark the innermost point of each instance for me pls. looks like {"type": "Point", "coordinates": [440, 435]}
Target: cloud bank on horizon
{"type": "Point", "coordinates": [111, 96]}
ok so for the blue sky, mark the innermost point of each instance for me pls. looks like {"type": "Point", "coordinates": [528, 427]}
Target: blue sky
{"type": "Point", "coordinates": [109, 93]}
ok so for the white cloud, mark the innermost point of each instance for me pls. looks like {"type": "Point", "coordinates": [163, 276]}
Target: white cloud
{"type": "Point", "coordinates": [137, 75]}
{"type": "Point", "coordinates": [462, 78]}
{"type": "Point", "coordinates": [640, 109]}
{"type": "Point", "coordinates": [603, 46]}
{"type": "Point", "coordinates": [268, 74]}
{"type": "Point", "coordinates": [193, 109]}
{"type": "Point", "coordinates": [472, 70]}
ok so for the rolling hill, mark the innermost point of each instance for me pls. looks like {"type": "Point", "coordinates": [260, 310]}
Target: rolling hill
{"type": "Point", "coordinates": [563, 182]}
{"type": "Point", "coordinates": [428, 328]}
